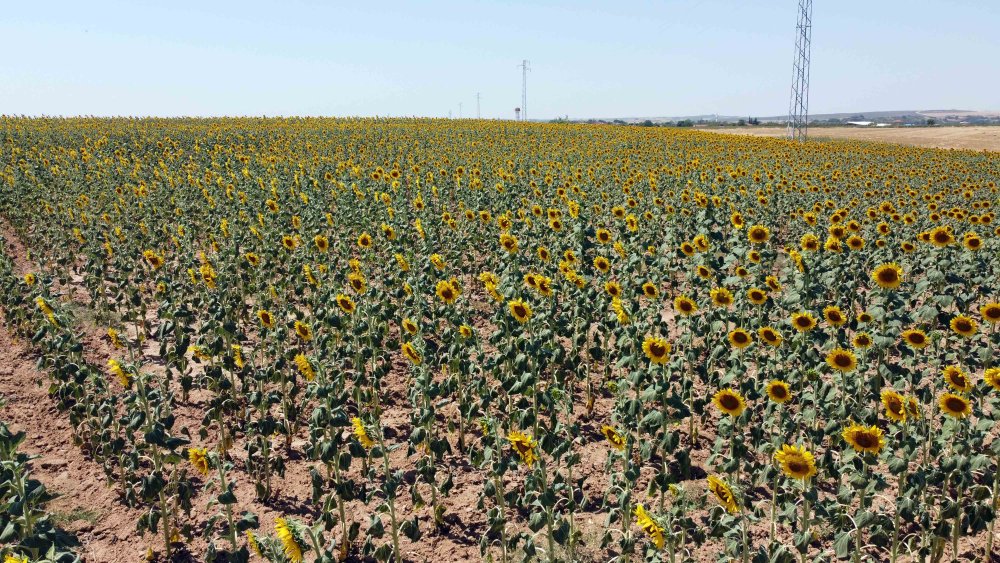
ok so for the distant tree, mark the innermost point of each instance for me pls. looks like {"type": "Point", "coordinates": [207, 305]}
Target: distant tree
{"type": "Point", "coordinates": [647, 123]}
{"type": "Point", "coordinates": [741, 123]}
{"type": "Point", "coordinates": [931, 121]}
{"type": "Point", "coordinates": [685, 123]}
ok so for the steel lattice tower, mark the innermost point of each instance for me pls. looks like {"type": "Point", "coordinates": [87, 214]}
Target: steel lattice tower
{"type": "Point", "coordinates": [798, 106]}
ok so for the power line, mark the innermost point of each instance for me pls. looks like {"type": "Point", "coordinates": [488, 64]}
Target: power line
{"type": "Point", "coordinates": [524, 89]}
{"type": "Point", "coordinates": [798, 105]}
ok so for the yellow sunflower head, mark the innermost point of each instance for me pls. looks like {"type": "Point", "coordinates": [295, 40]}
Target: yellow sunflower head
{"type": "Point", "coordinates": [730, 402]}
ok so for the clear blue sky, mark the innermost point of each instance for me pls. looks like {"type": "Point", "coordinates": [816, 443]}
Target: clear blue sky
{"type": "Point", "coordinates": [588, 59]}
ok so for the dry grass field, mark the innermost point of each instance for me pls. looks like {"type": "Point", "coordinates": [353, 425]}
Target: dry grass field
{"type": "Point", "coordinates": [975, 138]}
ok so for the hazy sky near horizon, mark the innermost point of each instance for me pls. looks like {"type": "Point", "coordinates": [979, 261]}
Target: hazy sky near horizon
{"type": "Point", "coordinates": [588, 59]}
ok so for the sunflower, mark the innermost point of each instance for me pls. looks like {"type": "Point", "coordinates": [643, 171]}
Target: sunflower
{"type": "Point", "coordinates": [321, 242]}
{"type": "Point", "coordinates": [737, 220]}
{"type": "Point", "coordinates": [303, 331]}
{"type": "Point", "coordinates": [116, 370]}
{"type": "Point", "coordinates": [954, 406]}
{"type": "Point", "coordinates": [364, 240]}
{"type": "Point", "coordinates": [723, 494]}
{"type": "Point", "coordinates": [650, 290]}
{"type": "Point", "coordinates": [409, 326]}
{"type": "Point", "coordinates": [446, 291]}
{"type": "Point", "coordinates": [656, 349]}
{"type": "Point", "coordinates": [687, 248]}
{"type": "Point", "coordinates": [796, 462]}
{"type": "Point", "coordinates": [304, 367]}
{"type": "Point", "coordinates": [740, 338]}
{"type": "Point", "coordinates": [864, 317]}
{"type": "Point", "coordinates": [544, 285]}
{"type": "Point", "coordinates": [779, 391]}
{"type": "Point", "coordinates": [721, 297]}
{"type": "Point", "coordinates": [864, 438]}
{"type": "Point", "coordinates": [345, 303]}
{"type": "Point", "coordinates": [684, 305]}
{"type": "Point", "coordinates": [803, 322]}
{"type": "Point", "coordinates": [524, 445]}
{"type": "Point", "coordinates": [809, 242]}
{"type": "Point", "coordinates": [703, 271]}
{"type": "Point", "coordinates": [971, 241]}
{"type": "Point", "coordinates": [758, 234]}
{"type": "Point", "coordinates": [648, 525]}
{"type": "Point", "coordinates": [941, 237]}
{"type": "Point", "coordinates": [888, 276]}
{"type": "Point", "coordinates": [602, 264]}
{"type": "Point", "coordinates": [990, 312]}
{"type": "Point", "coordinates": [603, 236]}
{"type": "Point", "coordinates": [772, 283]}
{"type": "Point", "coordinates": [290, 542]}
{"type": "Point", "coordinates": [757, 296]}
{"type": "Point", "coordinates": [357, 282]}
{"type": "Point", "coordinates": [834, 316]}
{"type": "Point", "coordinates": [252, 542]}
{"type": "Point", "coordinates": [154, 259]}
{"type": "Point", "coordinates": [616, 440]}
{"type": "Point", "coordinates": [956, 379]}
{"type": "Point", "coordinates": [770, 335]}
{"type": "Point", "coordinates": [842, 360]}
{"type": "Point", "coordinates": [912, 408]}
{"type": "Point", "coordinates": [361, 433]}
{"type": "Point", "coordinates": [730, 402]}
{"type": "Point", "coordinates": [992, 378]}
{"type": "Point", "coordinates": [508, 242]}
{"type": "Point", "coordinates": [915, 338]}
{"type": "Point", "coordinates": [520, 310]}
{"type": "Point", "coordinates": [862, 340]}
{"type": "Point", "coordinates": [411, 353]}
{"type": "Point", "coordinates": [964, 325]}
{"type": "Point", "coordinates": [894, 404]}
{"type": "Point", "coordinates": [854, 242]}
{"type": "Point", "coordinates": [252, 259]}
{"type": "Point", "coordinates": [266, 318]}
{"type": "Point", "coordinates": [288, 242]}
{"type": "Point", "coordinates": [613, 288]}
{"type": "Point", "coordinates": [437, 261]}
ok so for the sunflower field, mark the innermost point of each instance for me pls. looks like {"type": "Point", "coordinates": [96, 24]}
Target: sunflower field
{"type": "Point", "coordinates": [406, 339]}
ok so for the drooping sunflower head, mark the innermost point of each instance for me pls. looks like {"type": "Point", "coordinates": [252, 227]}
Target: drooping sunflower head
{"type": "Point", "coordinates": [842, 360]}
{"type": "Point", "coordinates": [954, 406]}
{"type": "Point", "coordinates": [291, 539]}
{"type": "Point", "coordinates": [411, 353]}
{"type": "Point", "coordinates": [964, 325]}
{"type": "Point", "coordinates": [888, 276]}
{"type": "Point", "coordinates": [656, 349]}
{"type": "Point", "coordinates": [796, 461]}
{"type": "Point", "coordinates": [199, 459]}
{"type": "Point", "coordinates": [650, 526]}
{"type": "Point", "coordinates": [524, 446]}
{"type": "Point", "coordinates": [616, 440]}
{"type": "Point", "coordinates": [803, 322]}
{"type": "Point", "coordinates": [779, 391]}
{"type": "Point", "coordinates": [723, 493]}
{"type": "Point", "coordinates": [864, 439]}
{"type": "Point", "coordinates": [730, 402]}
{"type": "Point", "coordinates": [740, 338]}
{"type": "Point", "coordinates": [957, 379]}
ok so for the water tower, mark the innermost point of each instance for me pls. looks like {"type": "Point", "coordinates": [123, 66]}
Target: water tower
{"type": "Point", "coordinates": [517, 114]}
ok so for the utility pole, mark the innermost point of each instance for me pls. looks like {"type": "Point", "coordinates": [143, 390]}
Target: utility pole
{"type": "Point", "coordinates": [798, 105]}
{"type": "Point", "coordinates": [524, 89]}
{"type": "Point", "coordinates": [478, 115]}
